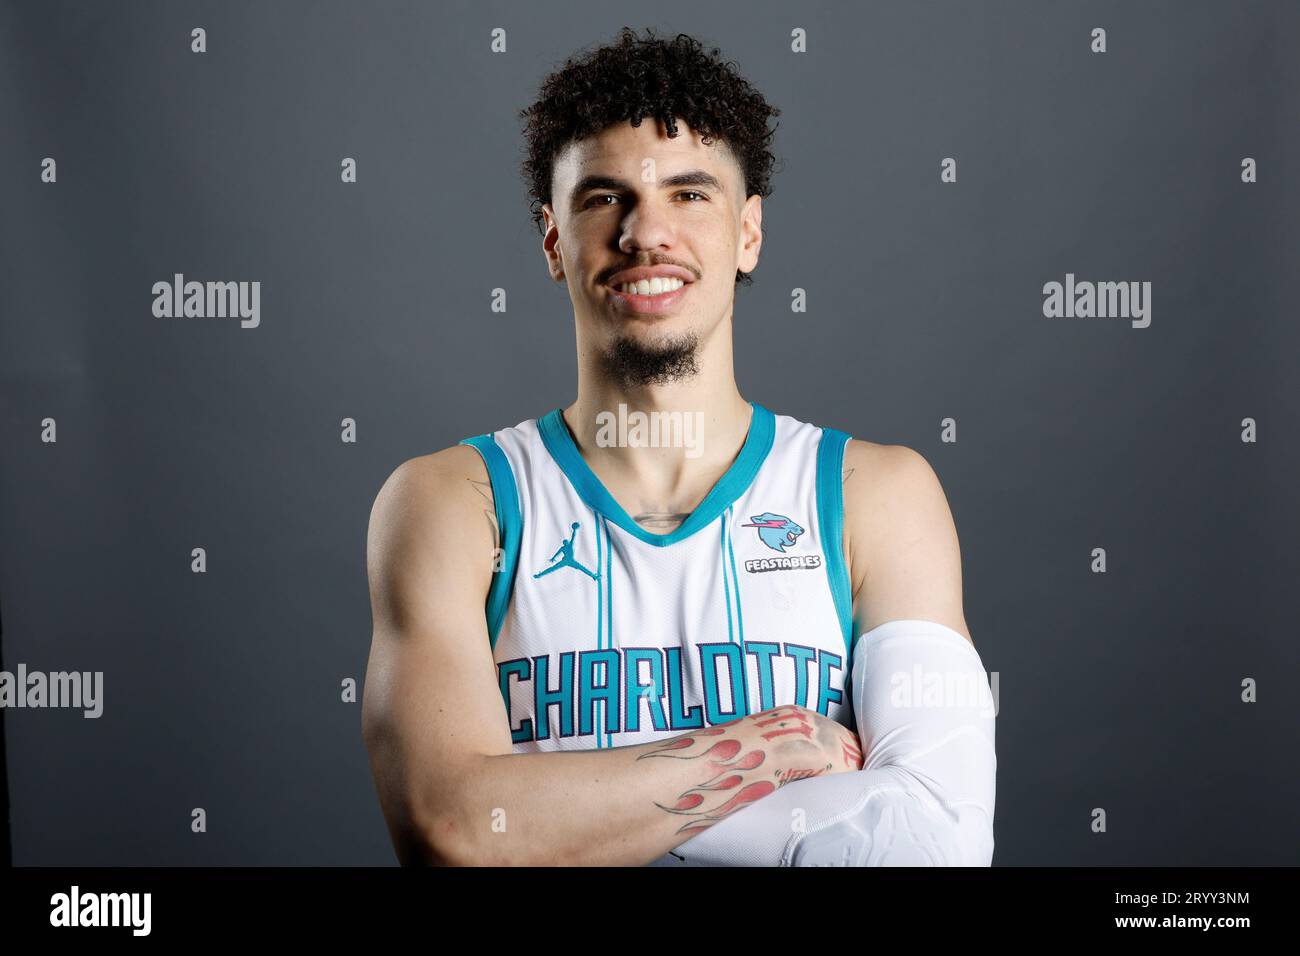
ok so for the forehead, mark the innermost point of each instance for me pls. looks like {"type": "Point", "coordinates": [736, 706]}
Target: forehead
{"type": "Point", "coordinates": [620, 150]}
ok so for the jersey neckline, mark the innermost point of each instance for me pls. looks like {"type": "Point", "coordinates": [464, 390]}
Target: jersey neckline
{"type": "Point", "coordinates": [733, 483]}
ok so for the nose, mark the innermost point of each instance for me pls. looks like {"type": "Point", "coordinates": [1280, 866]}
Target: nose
{"type": "Point", "coordinates": [646, 226]}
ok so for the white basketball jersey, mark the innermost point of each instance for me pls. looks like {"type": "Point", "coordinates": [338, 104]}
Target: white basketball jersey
{"type": "Point", "coordinates": [607, 635]}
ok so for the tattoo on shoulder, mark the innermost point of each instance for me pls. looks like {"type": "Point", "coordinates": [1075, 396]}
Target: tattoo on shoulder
{"type": "Point", "coordinates": [484, 489]}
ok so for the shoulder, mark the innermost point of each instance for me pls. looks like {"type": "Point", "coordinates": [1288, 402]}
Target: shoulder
{"type": "Point", "coordinates": [433, 471]}
{"type": "Point", "coordinates": [890, 491]}
{"type": "Point", "coordinates": [902, 548]}
{"type": "Point", "coordinates": [876, 474]}
{"type": "Point", "coordinates": [430, 499]}
{"type": "Point", "coordinates": [427, 481]}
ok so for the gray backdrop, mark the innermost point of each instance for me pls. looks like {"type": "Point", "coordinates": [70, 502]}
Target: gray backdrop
{"type": "Point", "coordinates": [1119, 690]}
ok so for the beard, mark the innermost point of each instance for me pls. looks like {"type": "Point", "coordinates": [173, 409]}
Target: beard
{"type": "Point", "coordinates": [633, 363]}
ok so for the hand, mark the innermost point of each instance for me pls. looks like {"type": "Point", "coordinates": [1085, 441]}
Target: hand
{"type": "Point", "coordinates": [804, 743]}
{"type": "Point", "coordinates": [752, 757]}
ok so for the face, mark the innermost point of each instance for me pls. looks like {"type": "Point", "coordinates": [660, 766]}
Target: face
{"type": "Point", "coordinates": [631, 206]}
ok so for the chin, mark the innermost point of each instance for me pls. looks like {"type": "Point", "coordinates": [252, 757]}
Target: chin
{"type": "Point", "coordinates": [652, 331]}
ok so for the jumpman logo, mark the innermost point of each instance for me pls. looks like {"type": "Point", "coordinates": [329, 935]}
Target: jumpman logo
{"type": "Point", "coordinates": [568, 561]}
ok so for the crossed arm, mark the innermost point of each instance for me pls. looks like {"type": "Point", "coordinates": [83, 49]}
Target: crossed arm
{"type": "Point", "coordinates": [450, 787]}
{"type": "Point", "coordinates": [925, 793]}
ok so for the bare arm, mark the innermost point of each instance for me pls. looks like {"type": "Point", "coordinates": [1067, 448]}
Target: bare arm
{"type": "Point", "coordinates": [900, 540]}
{"type": "Point", "coordinates": [436, 729]}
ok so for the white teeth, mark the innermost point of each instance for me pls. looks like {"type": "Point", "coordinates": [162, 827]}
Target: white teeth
{"type": "Point", "coordinates": [655, 286]}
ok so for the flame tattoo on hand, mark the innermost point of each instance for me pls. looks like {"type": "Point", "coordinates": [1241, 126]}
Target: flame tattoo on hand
{"type": "Point", "coordinates": [851, 750]}
{"type": "Point", "coordinates": [736, 779]}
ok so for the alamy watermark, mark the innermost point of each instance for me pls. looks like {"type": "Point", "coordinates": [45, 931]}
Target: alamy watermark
{"type": "Point", "coordinates": [75, 908]}
{"type": "Point", "coordinates": [651, 430]}
{"type": "Point", "coordinates": [179, 299]}
{"type": "Point", "coordinates": [24, 688]}
{"type": "Point", "coordinates": [1098, 300]}
{"type": "Point", "coordinates": [921, 688]}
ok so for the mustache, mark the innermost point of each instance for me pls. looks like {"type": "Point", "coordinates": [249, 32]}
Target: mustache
{"type": "Point", "coordinates": [606, 274]}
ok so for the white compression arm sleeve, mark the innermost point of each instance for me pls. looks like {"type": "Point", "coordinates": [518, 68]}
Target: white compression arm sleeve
{"type": "Point", "coordinates": [925, 793]}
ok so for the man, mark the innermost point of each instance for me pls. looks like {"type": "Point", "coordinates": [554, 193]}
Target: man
{"type": "Point", "coordinates": [662, 625]}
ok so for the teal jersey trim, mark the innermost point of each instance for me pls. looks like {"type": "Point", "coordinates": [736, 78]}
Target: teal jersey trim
{"type": "Point", "coordinates": [510, 525]}
{"type": "Point", "coordinates": [726, 582]}
{"type": "Point", "coordinates": [559, 442]}
{"type": "Point", "coordinates": [740, 614]}
{"type": "Point", "coordinates": [830, 516]}
{"type": "Point", "coordinates": [608, 583]}
{"type": "Point", "coordinates": [735, 581]}
{"type": "Point", "coordinates": [601, 574]}
{"type": "Point", "coordinates": [600, 585]}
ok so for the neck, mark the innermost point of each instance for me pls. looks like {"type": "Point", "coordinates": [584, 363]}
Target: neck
{"type": "Point", "coordinates": [699, 423]}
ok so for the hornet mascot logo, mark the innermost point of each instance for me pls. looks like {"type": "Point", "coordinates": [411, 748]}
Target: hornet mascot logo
{"type": "Point", "coordinates": [776, 531]}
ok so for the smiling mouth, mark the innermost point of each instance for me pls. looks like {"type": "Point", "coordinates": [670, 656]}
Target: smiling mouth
{"type": "Point", "coordinates": [661, 296]}
{"type": "Point", "coordinates": [649, 287]}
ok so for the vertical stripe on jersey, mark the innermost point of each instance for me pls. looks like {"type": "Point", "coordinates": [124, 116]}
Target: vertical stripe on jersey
{"type": "Point", "coordinates": [608, 583]}
{"type": "Point", "coordinates": [722, 563]}
{"type": "Point", "coordinates": [830, 518]}
{"type": "Point", "coordinates": [600, 599]}
{"type": "Point", "coordinates": [731, 560]}
{"type": "Point", "coordinates": [740, 614]}
{"type": "Point", "coordinates": [731, 593]}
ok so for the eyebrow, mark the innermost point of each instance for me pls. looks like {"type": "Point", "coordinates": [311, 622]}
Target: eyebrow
{"type": "Point", "coordinates": [692, 177]}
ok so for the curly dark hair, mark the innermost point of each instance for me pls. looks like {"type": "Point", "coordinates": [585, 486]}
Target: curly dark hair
{"type": "Point", "coordinates": [635, 78]}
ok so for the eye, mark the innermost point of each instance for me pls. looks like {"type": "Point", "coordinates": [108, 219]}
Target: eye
{"type": "Point", "coordinates": [593, 200]}
{"type": "Point", "coordinates": [693, 193]}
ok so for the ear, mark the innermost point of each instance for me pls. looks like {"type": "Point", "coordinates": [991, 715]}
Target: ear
{"type": "Point", "coordinates": [751, 234]}
{"type": "Point", "coordinates": [551, 244]}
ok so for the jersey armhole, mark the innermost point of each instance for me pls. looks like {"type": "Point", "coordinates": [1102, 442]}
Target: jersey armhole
{"type": "Point", "coordinates": [510, 525]}
{"type": "Point", "coordinates": [830, 517]}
